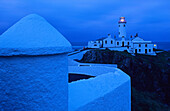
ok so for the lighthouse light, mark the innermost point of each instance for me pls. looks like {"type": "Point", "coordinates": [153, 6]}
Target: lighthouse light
{"type": "Point", "coordinates": [122, 20]}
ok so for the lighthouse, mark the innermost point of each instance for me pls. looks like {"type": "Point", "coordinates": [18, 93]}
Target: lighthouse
{"type": "Point", "coordinates": [122, 27]}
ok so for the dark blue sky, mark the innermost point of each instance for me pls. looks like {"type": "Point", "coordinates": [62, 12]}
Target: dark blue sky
{"type": "Point", "coordinates": [84, 20]}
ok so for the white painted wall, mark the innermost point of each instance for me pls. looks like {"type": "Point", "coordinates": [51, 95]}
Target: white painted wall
{"type": "Point", "coordinates": [93, 70]}
{"type": "Point", "coordinates": [107, 93]}
{"type": "Point", "coordinates": [116, 100]}
{"type": "Point", "coordinates": [33, 67]}
{"type": "Point", "coordinates": [94, 44]}
{"type": "Point", "coordinates": [122, 30]}
{"type": "Point", "coordinates": [107, 42]}
{"type": "Point", "coordinates": [141, 50]}
{"type": "Point", "coordinates": [121, 43]}
{"type": "Point", "coordinates": [34, 83]}
{"type": "Point", "coordinates": [132, 45]}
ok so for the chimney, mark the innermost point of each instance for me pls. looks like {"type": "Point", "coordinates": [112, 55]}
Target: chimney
{"type": "Point", "coordinates": [131, 36]}
{"type": "Point", "coordinates": [136, 34]}
{"type": "Point", "coordinates": [109, 35]}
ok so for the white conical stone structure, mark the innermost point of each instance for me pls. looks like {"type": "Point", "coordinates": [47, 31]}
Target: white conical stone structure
{"type": "Point", "coordinates": [32, 35]}
{"type": "Point", "coordinates": [33, 67]}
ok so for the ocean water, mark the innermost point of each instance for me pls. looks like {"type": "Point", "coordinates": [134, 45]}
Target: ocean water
{"type": "Point", "coordinates": [78, 45]}
{"type": "Point", "coordinates": [161, 45]}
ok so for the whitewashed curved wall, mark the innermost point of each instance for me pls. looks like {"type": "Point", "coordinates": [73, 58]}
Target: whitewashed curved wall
{"type": "Point", "coordinates": [34, 83]}
{"type": "Point", "coordinates": [109, 91]}
{"type": "Point", "coordinates": [117, 100]}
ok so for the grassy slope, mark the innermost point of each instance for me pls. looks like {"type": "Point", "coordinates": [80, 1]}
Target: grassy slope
{"type": "Point", "coordinates": [146, 99]}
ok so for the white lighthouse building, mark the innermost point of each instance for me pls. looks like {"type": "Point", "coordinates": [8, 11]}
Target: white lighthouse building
{"type": "Point", "coordinates": [122, 27]}
{"type": "Point", "coordinates": [124, 43]}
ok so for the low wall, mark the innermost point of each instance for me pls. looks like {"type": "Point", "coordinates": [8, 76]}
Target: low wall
{"type": "Point", "coordinates": [91, 70]}
{"type": "Point", "coordinates": [78, 55]}
{"type": "Point", "coordinates": [116, 100]}
{"type": "Point", "coordinates": [107, 92]}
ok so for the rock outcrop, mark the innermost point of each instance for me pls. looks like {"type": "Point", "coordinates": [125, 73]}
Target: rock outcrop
{"type": "Point", "coordinates": [148, 73]}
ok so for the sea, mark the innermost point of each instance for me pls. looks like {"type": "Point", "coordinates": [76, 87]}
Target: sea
{"type": "Point", "coordinates": [160, 45]}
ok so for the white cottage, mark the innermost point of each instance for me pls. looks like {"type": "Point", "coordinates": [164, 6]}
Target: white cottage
{"type": "Point", "coordinates": [122, 42]}
{"type": "Point", "coordinates": [140, 46]}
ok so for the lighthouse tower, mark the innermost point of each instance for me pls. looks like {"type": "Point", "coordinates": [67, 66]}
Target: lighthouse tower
{"type": "Point", "coordinates": [122, 27]}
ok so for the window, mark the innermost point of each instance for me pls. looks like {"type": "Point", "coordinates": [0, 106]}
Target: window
{"type": "Point", "coordinates": [111, 41]}
{"type": "Point", "coordinates": [139, 45]}
{"type": "Point", "coordinates": [128, 43]}
{"type": "Point", "coordinates": [149, 50]}
{"type": "Point", "coordinates": [123, 25]}
{"type": "Point", "coordinates": [123, 36]}
{"type": "Point", "coordinates": [139, 50]}
{"type": "Point", "coordinates": [119, 33]}
{"type": "Point", "coordinates": [106, 42]}
{"type": "Point", "coordinates": [146, 45]}
{"type": "Point", "coordinates": [95, 44]}
{"type": "Point", "coordinates": [117, 43]}
{"type": "Point", "coordinates": [119, 25]}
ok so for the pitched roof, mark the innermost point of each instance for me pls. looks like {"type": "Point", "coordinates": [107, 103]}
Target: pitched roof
{"type": "Point", "coordinates": [101, 38]}
{"type": "Point", "coordinates": [126, 38]}
{"type": "Point", "coordinates": [137, 39]}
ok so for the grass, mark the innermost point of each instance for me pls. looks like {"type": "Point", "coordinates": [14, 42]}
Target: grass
{"type": "Point", "coordinates": [146, 101]}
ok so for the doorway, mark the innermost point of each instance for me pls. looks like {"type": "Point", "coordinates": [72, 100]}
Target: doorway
{"type": "Point", "coordinates": [145, 51]}
{"type": "Point", "coordinates": [136, 51]}
{"type": "Point", "coordinates": [123, 44]}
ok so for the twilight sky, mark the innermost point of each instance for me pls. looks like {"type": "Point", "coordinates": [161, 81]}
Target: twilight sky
{"type": "Point", "coordinates": [84, 20]}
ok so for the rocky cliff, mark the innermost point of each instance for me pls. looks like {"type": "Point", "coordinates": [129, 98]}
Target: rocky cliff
{"type": "Point", "coordinates": [148, 74]}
